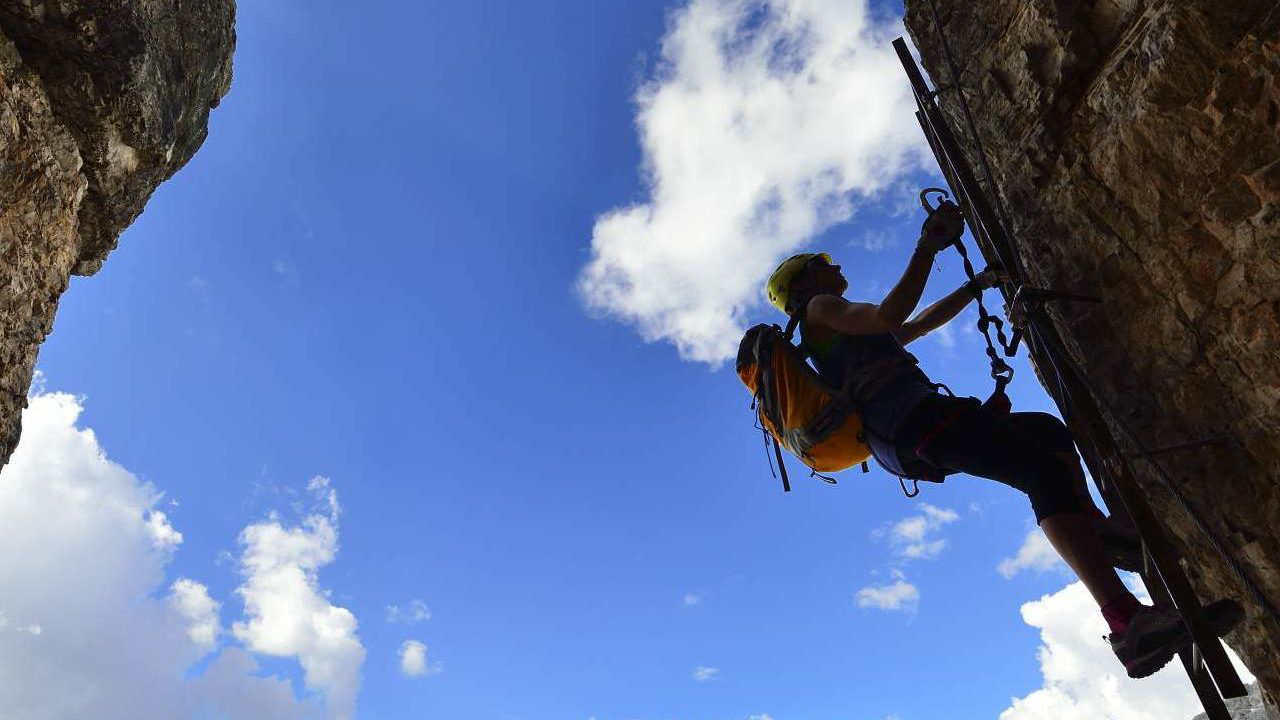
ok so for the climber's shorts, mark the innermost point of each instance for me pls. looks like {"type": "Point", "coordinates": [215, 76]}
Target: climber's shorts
{"type": "Point", "coordinates": [1021, 449]}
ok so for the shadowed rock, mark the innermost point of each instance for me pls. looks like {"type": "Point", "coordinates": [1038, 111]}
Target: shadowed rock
{"type": "Point", "coordinates": [100, 102]}
{"type": "Point", "coordinates": [1135, 144]}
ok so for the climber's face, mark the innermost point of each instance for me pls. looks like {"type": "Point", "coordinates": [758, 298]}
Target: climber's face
{"type": "Point", "coordinates": [825, 277]}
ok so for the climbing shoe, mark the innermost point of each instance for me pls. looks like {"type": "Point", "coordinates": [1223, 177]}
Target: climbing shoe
{"type": "Point", "coordinates": [1156, 634]}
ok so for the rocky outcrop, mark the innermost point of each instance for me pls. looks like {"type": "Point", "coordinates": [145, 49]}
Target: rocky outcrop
{"type": "Point", "coordinates": [100, 102]}
{"type": "Point", "coordinates": [1135, 144]}
{"type": "Point", "coordinates": [1250, 707]}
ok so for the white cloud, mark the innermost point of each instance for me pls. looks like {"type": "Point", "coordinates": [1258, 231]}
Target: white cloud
{"type": "Point", "coordinates": [912, 538]}
{"type": "Point", "coordinates": [233, 687]}
{"type": "Point", "coordinates": [288, 614]}
{"type": "Point", "coordinates": [939, 516]}
{"type": "Point", "coordinates": [898, 595]}
{"type": "Point", "coordinates": [415, 612]}
{"type": "Point", "coordinates": [761, 716]}
{"type": "Point", "coordinates": [163, 535]}
{"type": "Point", "coordinates": [1035, 554]}
{"type": "Point", "coordinates": [703, 673]}
{"type": "Point", "coordinates": [916, 551]}
{"type": "Point", "coordinates": [691, 599]}
{"type": "Point", "coordinates": [191, 601]}
{"type": "Point", "coordinates": [413, 659]}
{"type": "Point", "coordinates": [92, 632]}
{"type": "Point", "coordinates": [874, 241]}
{"type": "Point", "coordinates": [763, 125]}
{"type": "Point", "coordinates": [1082, 678]}
{"type": "Point", "coordinates": [944, 335]}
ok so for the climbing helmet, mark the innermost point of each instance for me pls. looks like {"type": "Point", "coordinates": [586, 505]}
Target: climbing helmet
{"type": "Point", "coordinates": [779, 286]}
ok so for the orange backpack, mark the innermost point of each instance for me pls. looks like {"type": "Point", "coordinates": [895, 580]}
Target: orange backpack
{"type": "Point", "coordinates": [796, 407]}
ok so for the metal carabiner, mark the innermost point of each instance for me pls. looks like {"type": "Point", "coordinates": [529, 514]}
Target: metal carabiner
{"type": "Point", "coordinates": [924, 198]}
{"type": "Point", "coordinates": [915, 487]}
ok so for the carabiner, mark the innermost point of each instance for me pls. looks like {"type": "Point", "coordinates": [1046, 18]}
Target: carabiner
{"type": "Point", "coordinates": [924, 198]}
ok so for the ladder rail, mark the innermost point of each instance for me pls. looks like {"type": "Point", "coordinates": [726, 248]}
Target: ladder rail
{"type": "Point", "coordinates": [1079, 404]}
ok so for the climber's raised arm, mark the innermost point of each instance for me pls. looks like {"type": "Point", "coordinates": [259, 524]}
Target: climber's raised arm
{"type": "Point", "coordinates": [942, 311]}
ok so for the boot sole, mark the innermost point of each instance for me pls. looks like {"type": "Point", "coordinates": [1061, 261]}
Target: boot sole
{"type": "Point", "coordinates": [1221, 617]}
{"type": "Point", "coordinates": [1153, 661]}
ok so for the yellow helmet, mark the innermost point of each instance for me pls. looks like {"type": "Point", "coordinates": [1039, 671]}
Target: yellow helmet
{"type": "Point", "coordinates": [779, 286]}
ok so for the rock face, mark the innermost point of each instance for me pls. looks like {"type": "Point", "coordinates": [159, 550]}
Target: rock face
{"type": "Point", "coordinates": [1246, 708]}
{"type": "Point", "coordinates": [100, 102]}
{"type": "Point", "coordinates": [1135, 145]}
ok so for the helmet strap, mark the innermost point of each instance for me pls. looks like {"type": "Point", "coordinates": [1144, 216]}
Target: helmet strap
{"type": "Point", "coordinates": [791, 325]}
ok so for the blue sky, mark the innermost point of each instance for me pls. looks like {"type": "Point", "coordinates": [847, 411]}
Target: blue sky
{"type": "Point", "coordinates": [379, 270]}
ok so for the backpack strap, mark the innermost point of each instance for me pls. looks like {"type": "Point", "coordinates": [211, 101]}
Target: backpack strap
{"type": "Point", "coordinates": [768, 403]}
{"type": "Point", "coordinates": [782, 468]}
{"type": "Point", "coordinates": [792, 323]}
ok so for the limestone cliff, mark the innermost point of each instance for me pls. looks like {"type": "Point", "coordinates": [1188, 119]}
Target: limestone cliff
{"type": "Point", "coordinates": [100, 102]}
{"type": "Point", "coordinates": [1135, 146]}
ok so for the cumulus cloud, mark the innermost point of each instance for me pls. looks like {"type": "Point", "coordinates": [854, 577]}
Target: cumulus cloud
{"type": "Point", "coordinates": [415, 611]}
{"type": "Point", "coordinates": [915, 537]}
{"type": "Point", "coordinates": [703, 673]}
{"type": "Point", "coordinates": [1082, 678]}
{"type": "Point", "coordinates": [86, 627]}
{"type": "Point", "coordinates": [1035, 554]}
{"type": "Point", "coordinates": [287, 612]}
{"type": "Point", "coordinates": [413, 659]}
{"type": "Point", "coordinates": [898, 595]}
{"type": "Point", "coordinates": [191, 601]}
{"type": "Point", "coordinates": [163, 536]}
{"type": "Point", "coordinates": [763, 125]}
{"type": "Point", "coordinates": [233, 687]}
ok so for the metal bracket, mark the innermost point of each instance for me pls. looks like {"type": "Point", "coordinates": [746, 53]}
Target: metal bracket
{"type": "Point", "coordinates": [1031, 299]}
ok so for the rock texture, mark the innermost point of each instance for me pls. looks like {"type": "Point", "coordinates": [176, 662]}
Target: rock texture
{"type": "Point", "coordinates": [1251, 707]}
{"type": "Point", "coordinates": [1135, 144]}
{"type": "Point", "coordinates": [100, 102]}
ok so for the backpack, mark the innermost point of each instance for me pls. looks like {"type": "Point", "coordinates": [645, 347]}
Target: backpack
{"type": "Point", "coordinates": [796, 408]}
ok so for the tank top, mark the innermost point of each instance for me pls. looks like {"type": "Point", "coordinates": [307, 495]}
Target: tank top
{"type": "Point", "coordinates": [885, 381]}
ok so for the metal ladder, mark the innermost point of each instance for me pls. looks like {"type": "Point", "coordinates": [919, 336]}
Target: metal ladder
{"type": "Point", "coordinates": [1206, 662]}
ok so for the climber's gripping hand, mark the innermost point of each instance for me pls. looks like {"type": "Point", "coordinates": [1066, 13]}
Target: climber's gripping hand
{"type": "Point", "coordinates": [943, 227]}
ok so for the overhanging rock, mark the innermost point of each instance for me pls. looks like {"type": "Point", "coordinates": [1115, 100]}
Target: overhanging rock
{"type": "Point", "coordinates": [1136, 147]}
{"type": "Point", "coordinates": [100, 102]}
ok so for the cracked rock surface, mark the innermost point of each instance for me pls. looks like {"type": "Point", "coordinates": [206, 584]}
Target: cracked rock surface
{"type": "Point", "coordinates": [1135, 144]}
{"type": "Point", "coordinates": [100, 102]}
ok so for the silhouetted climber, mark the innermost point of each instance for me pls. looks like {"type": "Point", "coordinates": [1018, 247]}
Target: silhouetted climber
{"type": "Point", "coordinates": [915, 431]}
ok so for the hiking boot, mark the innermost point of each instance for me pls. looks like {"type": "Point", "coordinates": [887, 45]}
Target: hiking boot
{"type": "Point", "coordinates": [1154, 636]}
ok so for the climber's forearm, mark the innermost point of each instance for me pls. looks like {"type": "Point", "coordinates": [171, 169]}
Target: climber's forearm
{"type": "Point", "coordinates": [903, 298]}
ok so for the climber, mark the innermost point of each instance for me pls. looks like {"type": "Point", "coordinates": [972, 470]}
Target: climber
{"type": "Point", "coordinates": [915, 431]}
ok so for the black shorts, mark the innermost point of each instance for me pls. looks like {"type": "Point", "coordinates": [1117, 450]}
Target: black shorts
{"type": "Point", "coordinates": [1022, 450]}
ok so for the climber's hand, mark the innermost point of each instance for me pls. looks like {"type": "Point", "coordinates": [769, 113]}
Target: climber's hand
{"type": "Point", "coordinates": [942, 228]}
{"type": "Point", "coordinates": [988, 279]}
